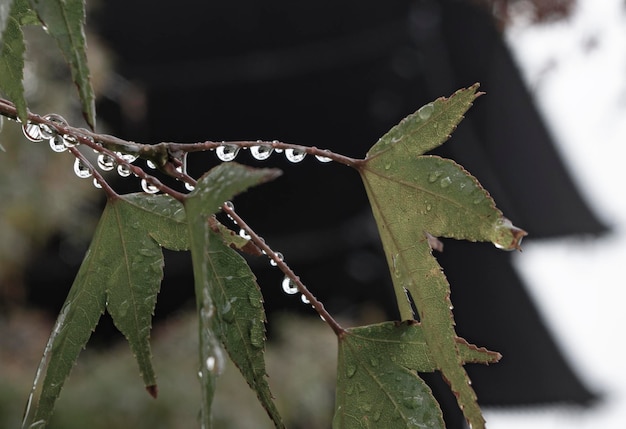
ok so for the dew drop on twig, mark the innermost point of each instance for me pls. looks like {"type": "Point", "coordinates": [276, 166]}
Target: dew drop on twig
{"type": "Point", "coordinates": [289, 287]}
{"type": "Point", "coordinates": [227, 152]}
{"type": "Point", "coordinates": [189, 187]}
{"type": "Point", "coordinates": [294, 155]}
{"type": "Point", "coordinates": [48, 132]}
{"type": "Point", "coordinates": [32, 132]}
{"type": "Point", "coordinates": [148, 187]}
{"type": "Point", "coordinates": [57, 144]}
{"type": "Point", "coordinates": [69, 140]}
{"type": "Point", "coordinates": [304, 299]}
{"type": "Point", "coordinates": [321, 158]}
{"type": "Point", "coordinates": [96, 184]}
{"type": "Point", "coordinates": [244, 234]}
{"type": "Point", "coordinates": [279, 256]}
{"type": "Point", "coordinates": [261, 153]}
{"type": "Point", "coordinates": [123, 170]}
{"type": "Point", "coordinates": [81, 169]}
{"type": "Point", "coordinates": [106, 162]}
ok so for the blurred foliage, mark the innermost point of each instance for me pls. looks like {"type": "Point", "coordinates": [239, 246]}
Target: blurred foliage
{"type": "Point", "coordinates": [105, 389]}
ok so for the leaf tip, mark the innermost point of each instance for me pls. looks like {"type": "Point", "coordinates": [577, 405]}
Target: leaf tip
{"type": "Point", "coordinates": [153, 390]}
{"type": "Point", "coordinates": [508, 236]}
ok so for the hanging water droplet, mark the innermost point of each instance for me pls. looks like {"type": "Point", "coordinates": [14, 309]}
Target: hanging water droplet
{"type": "Point", "coordinates": [48, 132]}
{"type": "Point", "coordinates": [189, 186]}
{"type": "Point", "coordinates": [127, 157]}
{"type": "Point", "coordinates": [289, 287]}
{"type": "Point", "coordinates": [123, 170]}
{"type": "Point", "coordinates": [294, 155]}
{"type": "Point", "coordinates": [106, 162]}
{"type": "Point", "coordinates": [151, 165]}
{"type": "Point", "coordinates": [210, 363]}
{"type": "Point", "coordinates": [81, 169]}
{"type": "Point", "coordinates": [261, 153]}
{"type": "Point", "coordinates": [57, 144]}
{"type": "Point", "coordinates": [280, 258]}
{"type": "Point", "coordinates": [304, 299]}
{"type": "Point", "coordinates": [227, 152]}
{"type": "Point", "coordinates": [230, 205]}
{"type": "Point", "coordinates": [148, 187]}
{"type": "Point", "coordinates": [350, 370]}
{"type": "Point", "coordinates": [69, 140]}
{"type": "Point", "coordinates": [244, 234]}
{"type": "Point", "coordinates": [321, 158]}
{"type": "Point", "coordinates": [425, 111]}
{"type": "Point", "coordinates": [96, 183]}
{"type": "Point", "coordinates": [445, 182]}
{"type": "Point", "coordinates": [32, 132]}
{"type": "Point", "coordinates": [277, 150]}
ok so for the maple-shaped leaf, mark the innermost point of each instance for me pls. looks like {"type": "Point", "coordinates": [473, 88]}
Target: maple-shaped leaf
{"type": "Point", "coordinates": [121, 272]}
{"type": "Point", "coordinates": [416, 197]}
{"type": "Point", "coordinates": [229, 302]}
{"type": "Point", "coordinates": [65, 22]}
{"type": "Point", "coordinates": [377, 381]}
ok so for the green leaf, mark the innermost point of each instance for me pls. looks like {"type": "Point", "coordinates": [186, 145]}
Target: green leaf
{"type": "Point", "coordinates": [414, 197]}
{"type": "Point", "coordinates": [377, 384]}
{"type": "Point", "coordinates": [228, 299]}
{"type": "Point", "coordinates": [12, 54]}
{"type": "Point", "coordinates": [122, 271]}
{"type": "Point", "coordinates": [65, 20]}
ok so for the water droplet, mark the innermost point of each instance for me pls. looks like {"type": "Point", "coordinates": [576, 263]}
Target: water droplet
{"type": "Point", "coordinates": [374, 361]}
{"type": "Point", "coordinates": [227, 152]}
{"type": "Point", "coordinates": [294, 155]}
{"type": "Point", "coordinates": [428, 207]}
{"type": "Point", "coordinates": [81, 169]}
{"type": "Point", "coordinates": [280, 258]}
{"type": "Point", "coordinates": [304, 299]}
{"type": "Point", "coordinates": [350, 370]}
{"type": "Point", "coordinates": [32, 132]}
{"type": "Point", "coordinates": [57, 144]}
{"type": "Point", "coordinates": [123, 170]}
{"type": "Point", "coordinates": [151, 165]}
{"type": "Point", "coordinates": [69, 140]}
{"type": "Point", "coordinates": [289, 287]}
{"type": "Point", "coordinates": [189, 186]}
{"type": "Point", "coordinates": [261, 153]}
{"type": "Point", "coordinates": [48, 132]}
{"type": "Point", "coordinates": [148, 187]}
{"type": "Point", "coordinates": [432, 177]}
{"type": "Point", "coordinates": [210, 363]}
{"type": "Point", "coordinates": [106, 162]}
{"type": "Point", "coordinates": [257, 333]}
{"type": "Point", "coordinates": [425, 111]}
{"type": "Point", "coordinates": [230, 205]}
{"type": "Point", "coordinates": [478, 200]}
{"type": "Point", "coordinates": [412, 402]}
{"type": "Point", "coordinates": [96, 184]}
{"type": "Point", "coordinates": [228, 313]}
{"type": "Point", "coordinates": [387, 166]}
{"type": "Point", "coordinates": [445, 182]}
{"type": "Point", "coordinates": [244, 234]}
{"type": "Point", "coordinates": [321, 158]}
{"type": "Point", "coordinates": [127, 157]}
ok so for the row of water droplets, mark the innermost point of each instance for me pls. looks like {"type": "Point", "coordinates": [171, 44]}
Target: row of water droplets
{"type": "Point", "coordinates": [61, 142]}
{"type": "Point", "coordinates": [228, 152]}
{"type": "Point", "coordinates": [289, 287]}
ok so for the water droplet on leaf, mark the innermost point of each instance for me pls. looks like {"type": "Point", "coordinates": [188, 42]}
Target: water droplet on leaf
{"type": "Point", "coordinates": [350, 370]}
{"type": "Point", "coordinates": [432, 177]}
{"type": "Point", "coordinates": [227, 152]}
{"type": "Point", "coordinates": [445, 182]}
{"type": "Point", "coordinates": [425, 111]}
{"type": "Point", "coordinates": [294, 155]}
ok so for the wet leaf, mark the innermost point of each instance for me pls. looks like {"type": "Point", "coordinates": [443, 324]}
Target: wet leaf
{"type": "Point", "coordinates": [12, 54]}
{"type": "Point", "coordinates": [377, 384]}
{"type": "Point", "coordinates": [415, 196]}
{"type": "Point", "coordinates": [228, 299]}
{"type": "Point", "coordinates": [122, 271]}
{"type": "Point", "coordinates": [65, 20]}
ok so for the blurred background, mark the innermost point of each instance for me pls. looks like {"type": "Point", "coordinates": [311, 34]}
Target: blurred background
{"type": "Point", "coordinates": [545, 141]}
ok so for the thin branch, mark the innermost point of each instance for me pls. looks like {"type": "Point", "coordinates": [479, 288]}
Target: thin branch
{"type": "Point", "coordinates": [315, 303]}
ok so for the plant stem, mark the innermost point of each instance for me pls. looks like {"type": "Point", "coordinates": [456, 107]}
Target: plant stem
{"type": "Point", "coordinates": [315, 303]}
